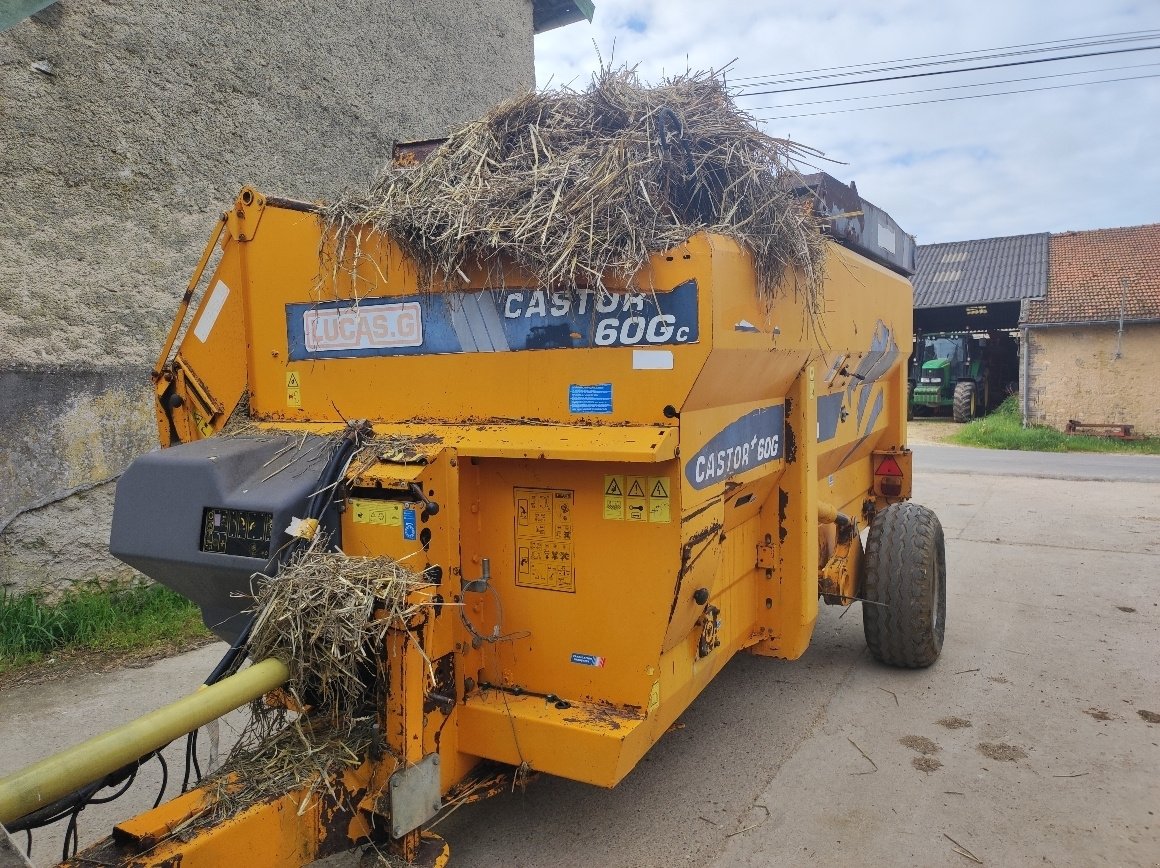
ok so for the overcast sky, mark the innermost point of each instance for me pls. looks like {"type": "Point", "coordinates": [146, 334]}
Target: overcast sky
{"type": "Point", "coordinates": [1083, 157]}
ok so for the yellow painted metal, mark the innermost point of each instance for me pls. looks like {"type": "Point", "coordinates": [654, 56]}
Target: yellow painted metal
{"type": "Point", "coordinates": [620, 576]}
{"type": "Point", "coordinates": [56, 776]}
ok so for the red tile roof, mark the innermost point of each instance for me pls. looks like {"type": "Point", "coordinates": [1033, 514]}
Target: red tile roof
{"type": "Point", "coordinates": [1085, 274]}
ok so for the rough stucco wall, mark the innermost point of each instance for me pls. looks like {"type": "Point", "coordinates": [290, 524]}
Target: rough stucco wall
{"type": "Point", "coordinates": [1074, 375]}
{"type": "Point", "coordinates": [115, 165]}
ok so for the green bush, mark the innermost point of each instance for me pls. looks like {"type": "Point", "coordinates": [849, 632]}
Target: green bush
{"type": "Point", "coordinates": [116, 618]}
{"type": "Point", "coordinates": [1003, 429]}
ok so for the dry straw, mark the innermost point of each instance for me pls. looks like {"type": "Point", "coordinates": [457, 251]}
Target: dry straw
{"type": "Point", "coordinates": [575, 187]}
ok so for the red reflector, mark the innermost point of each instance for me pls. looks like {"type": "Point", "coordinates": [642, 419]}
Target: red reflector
{"type": "Point", "coordinates": [888, 467]}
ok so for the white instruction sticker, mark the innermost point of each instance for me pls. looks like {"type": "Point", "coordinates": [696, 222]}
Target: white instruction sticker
{"type": "Point", "coordinates": [210, 311]}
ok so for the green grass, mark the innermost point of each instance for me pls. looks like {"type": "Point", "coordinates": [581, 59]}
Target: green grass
{"type": "Point", "coordinates": [1004, 429]}
{"type": "Point", "coordinates": [90, 618]}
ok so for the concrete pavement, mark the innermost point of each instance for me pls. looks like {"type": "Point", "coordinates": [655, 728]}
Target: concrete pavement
{"type": "Point", "coordinates": [1025, 743]}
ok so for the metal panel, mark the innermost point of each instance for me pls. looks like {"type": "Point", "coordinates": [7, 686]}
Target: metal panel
{"type": "Point", "coordinates": [415, 795]}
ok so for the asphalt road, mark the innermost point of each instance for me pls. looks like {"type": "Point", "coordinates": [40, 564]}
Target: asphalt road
{"type": "Point", "coordinates": [1026, 743]}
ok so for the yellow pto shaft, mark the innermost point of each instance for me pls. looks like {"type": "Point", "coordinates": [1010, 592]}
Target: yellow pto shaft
{"type": "Point", "coordinates": [56, 776]}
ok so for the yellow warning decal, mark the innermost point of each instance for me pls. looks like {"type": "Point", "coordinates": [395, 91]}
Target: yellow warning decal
{"type": "Point", "coordinates": [293, 389]}
{"type": "Point", "coordinates": [614, 498]}
{"type": "Point", "coordinates": [658, 499]}
{"type": "Point", "coordinates": [636, 499]}
{"type": "Point", "coordinates": [544, 548]}
{"type": "Point", "coordinates": [366, 511]}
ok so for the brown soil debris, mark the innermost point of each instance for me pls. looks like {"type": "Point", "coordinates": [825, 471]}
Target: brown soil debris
{"type": "Point", "coordinates": [926, 764]}
{"type": "Point", "coordinates": [1002, 752]}
{"type": "Point", "coordinates": [998, 679]}
{"type": "Point", "coordinates": [954, 722]}
{"type": "Point", "coordinates": [1098, 713]}
{"type": "Point", "coordinates": [1127, 609]}
{"type": "Point", "coordinates": [919, 744]}
{"type": "Point", "coordinates": [1150, 716]}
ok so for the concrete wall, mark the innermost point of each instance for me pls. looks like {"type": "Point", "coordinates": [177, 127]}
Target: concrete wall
{"type": "Point", "coordinates": [126, 128]}
{"type": "Point", "coordinates": [1074, 374]}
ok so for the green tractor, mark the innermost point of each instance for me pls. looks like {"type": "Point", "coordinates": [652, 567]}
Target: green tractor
{"type": "Point", "coordinates": [952, 372]}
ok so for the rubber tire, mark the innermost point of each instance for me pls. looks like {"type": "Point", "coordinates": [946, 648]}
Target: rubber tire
{"type": "Point", "coordinates": [964, 406]}
{"type": "Point", "coordinates": [905, 570]}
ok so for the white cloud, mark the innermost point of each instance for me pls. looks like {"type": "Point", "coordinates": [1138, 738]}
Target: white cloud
{"type": "Point", "coordinates": [1071, 158]}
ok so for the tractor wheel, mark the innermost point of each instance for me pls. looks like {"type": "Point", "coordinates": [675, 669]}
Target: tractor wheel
{"type": "Point", "coordinates": [965, 402]}
{"type": "Point", "coordinates": [904, 582]}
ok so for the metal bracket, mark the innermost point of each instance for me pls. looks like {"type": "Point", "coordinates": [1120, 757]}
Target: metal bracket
{"type": "Point", "coordinates": [415, 795]}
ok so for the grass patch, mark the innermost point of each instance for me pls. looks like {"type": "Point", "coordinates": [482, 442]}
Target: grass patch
{"type": "Point", "coordinates": [1004, 429]}
{"type": "Point", "coordinates": [113, 619]}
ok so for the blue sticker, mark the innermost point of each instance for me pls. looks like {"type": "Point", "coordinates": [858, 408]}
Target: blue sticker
{"type": "Point", "coordinates": [588, 660]}
{"type": "Point", "coordinates": [408, 523]}
{"type": "Point", "coordinates": [491, 321]}
{"type": "Point", "coordinates": [590, 399]}
{"type": "Point", "coordinates": [753, 440]}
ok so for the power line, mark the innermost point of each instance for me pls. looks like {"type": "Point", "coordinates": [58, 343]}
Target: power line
{"type": "Point", "coordinates": [949, 71]}
{"type": "Point", "coordinates": [951, 87]}
{"type": "Point", "coordinates": [772, 78]}
{"type": "Point", "coordinates": [957, 98]}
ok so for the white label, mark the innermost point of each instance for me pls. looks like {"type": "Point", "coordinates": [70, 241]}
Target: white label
{"type": "Point", "coordinates": [886, 238]}
{"type": "Point", "coordinates": [652, 360]}
{"type": "Point", "coordinates": [210, 311]}
{"type": "Point", "coordinates": [367, 327]}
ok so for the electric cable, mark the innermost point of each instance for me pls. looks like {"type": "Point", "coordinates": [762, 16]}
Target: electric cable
{"type": "Point", "coordinates": [952, 87]}
{"type": "Point", "coordinates": [872, 67]}
{"type": "Point", "coordinates": [1006, 65]}
{"type": "Point", "coordinates": [958, 98]}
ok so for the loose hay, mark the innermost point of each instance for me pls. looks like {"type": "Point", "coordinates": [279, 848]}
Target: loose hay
{"type": "Point", "coordinates": [326, 615]}
{"type": "Point", "coordinates": [573, 186]}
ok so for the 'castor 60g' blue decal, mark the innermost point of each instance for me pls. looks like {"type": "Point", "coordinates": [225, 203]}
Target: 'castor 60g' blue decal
{"type": "Point", "coordinates": [491, 321]}
{"type": "Point", "coordinates": [755, 439]}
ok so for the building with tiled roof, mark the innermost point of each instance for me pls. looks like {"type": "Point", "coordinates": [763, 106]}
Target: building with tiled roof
{"type": "Point", "coordinates": [1092, 342]}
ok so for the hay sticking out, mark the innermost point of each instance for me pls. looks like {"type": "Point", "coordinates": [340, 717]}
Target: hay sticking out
{"type": "Point", "coordinates": [319, 616]}
{"type": "Point", "coordinates": [573, 186]}
{"type": "Point", "coordinates": [326, 615]}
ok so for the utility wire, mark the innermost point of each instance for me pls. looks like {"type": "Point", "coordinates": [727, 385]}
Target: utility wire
{"type": "Point", "coordinates": [952, 87]}
{"type": "Point", "coordinates": [957, 98]}
{"type": "Point", "coordinates": [960, 57]}
{"type": "Point", "coordinates": [949, 71]}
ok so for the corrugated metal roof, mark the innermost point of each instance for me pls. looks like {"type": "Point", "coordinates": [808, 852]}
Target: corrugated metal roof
{"type": "Point", "coordinates": [979, 272]}
{"type": "Point", "coordinates": [1088, 270]}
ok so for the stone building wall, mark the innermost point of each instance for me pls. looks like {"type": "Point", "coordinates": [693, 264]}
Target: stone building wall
{"type": "Point", "coordinates": [1073, 373]}
{"type": "Point", "coordinates": [127, 127]}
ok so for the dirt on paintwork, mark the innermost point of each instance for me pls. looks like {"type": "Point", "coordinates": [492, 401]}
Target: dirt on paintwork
{"type": "Point", "coordinates": [1098, 714]}
{"type": "Point", "coordinates": [998, 679]}
{"type": "Point", "coordinates": [1127, 609]}
{"type": "Point", "coordinates": [1150, 716]}
{"type": "Point", "coordinates": [1002, 752]}
{"type": "Point", "coordinates": [954, 723]}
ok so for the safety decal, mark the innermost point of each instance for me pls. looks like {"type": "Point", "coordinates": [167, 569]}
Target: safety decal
{"type": "Point", "coordinates": [492, 321]}
{"type": "Point", "coordinates": [614, 497]}
{"type": "Point", "coordinates": [544, 545]}
{"type": "Point", "coordinates": [637, 498]}
{"type": "Point", "coordinates": [590, 399]}
{"type": "Point", "coordinates": [654, 697]}
{"type": "Point", "coordinates": [385, 512]}
{"type": "Point", "coordinates": [211, 311]}
{"type": "Point", "coordinates": [753, 440]}
{"type": "Point", "coordinates": [408, 523]}
{"type": "Point", "coordinates": [293, 389]}
{"type": "Point", "coordinates": [588, 660]}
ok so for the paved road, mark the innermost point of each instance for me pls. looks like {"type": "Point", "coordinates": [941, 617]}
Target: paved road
{"type": "Point", "coordinates": [1052, 652]}
{"type": "Point", "coordinates": [1079, 466]}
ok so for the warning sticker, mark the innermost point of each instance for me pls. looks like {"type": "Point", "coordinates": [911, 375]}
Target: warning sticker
{"type": "Point", "coordinates": [366, 511]}
{"type": "Point", "coordinates": [658, 499]}
{"type": "Point", "coordinates": [293, 389]}
{"type": "Point", "coordinates": [544, 550]}
{"type": "Point", "coordinates": [636, 499]}
{"type": "Point", "coordinates": [614, 498]}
